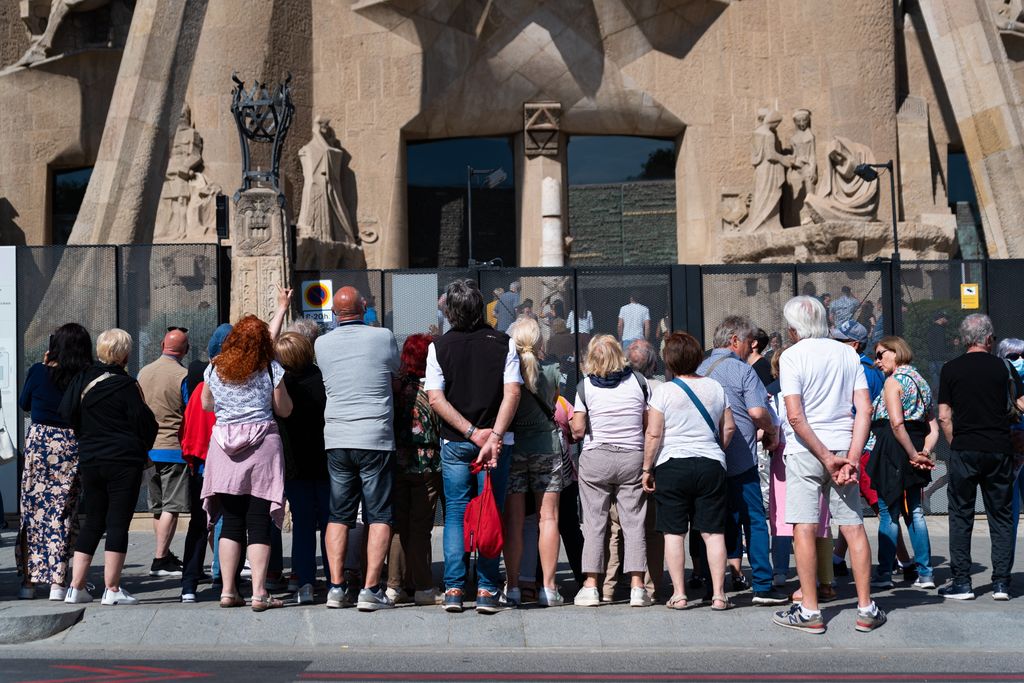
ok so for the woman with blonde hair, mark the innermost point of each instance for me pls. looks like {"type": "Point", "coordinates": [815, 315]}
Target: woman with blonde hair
{"type": "Point", "coordinates": [905, 432]}
{"type": "Point", "coordinates": [536, 463]}
{"type": "Point", "coordinates": [244, 478]}
{"type": "Point", "coordinates": [610, 416]}
{"type": "Point", "coordinates": [115, 430]}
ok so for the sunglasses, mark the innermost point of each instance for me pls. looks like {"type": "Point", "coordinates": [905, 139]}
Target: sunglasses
{"type": "Point", "coordinates": [178, 329]}
{"type": "Point", "coordinates": [1013, 356]}
{"type": "Point", "coordinates": [878, 356]}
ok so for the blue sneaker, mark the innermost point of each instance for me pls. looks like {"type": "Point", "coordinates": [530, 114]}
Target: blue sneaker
{"type": "Point", "coordinates": [453, 600]}
{"type": "Point", "coordinates": [490, 603]}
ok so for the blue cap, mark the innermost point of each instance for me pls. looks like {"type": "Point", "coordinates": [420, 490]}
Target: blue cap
{"type": "Point", "coordinates": [217, 339]}
{"type": "Point", "coordinates": [850, 330]}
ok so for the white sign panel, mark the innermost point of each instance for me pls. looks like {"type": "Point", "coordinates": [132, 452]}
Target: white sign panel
{"type": "Point", "coordinates": [9, 367]}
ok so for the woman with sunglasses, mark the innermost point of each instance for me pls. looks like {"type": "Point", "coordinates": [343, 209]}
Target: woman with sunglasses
{"type": "Point", "coordinates": [905, 432]}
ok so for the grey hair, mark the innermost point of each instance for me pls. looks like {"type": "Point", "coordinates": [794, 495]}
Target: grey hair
{"type": "Point", "coordinates": [306, 327]}
{"type": "Point", "coordinates": [806, 316]}
{"type": "Point", "coordinates": [1011, 345]}
{"type": "Point", "coordinates": [464, 304]}
{"type": "Point", "coordinates": [642, 357]}
{"type": "Point", "coordinates": [976, 329]}
{"type": "Point", "coordinates": [733, 325]}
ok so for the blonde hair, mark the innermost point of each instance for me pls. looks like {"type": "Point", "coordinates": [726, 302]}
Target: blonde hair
{"type": "Point", "coordinates": [526, 335]}
{"type": "Point", "coordinates": [900, 347]}
{"type": "Point", "coordinates": [294, 352]}
{"type": "Point", "coordinates": [113, 346]}
{"type": "Point", "coordinates": [604, 356]}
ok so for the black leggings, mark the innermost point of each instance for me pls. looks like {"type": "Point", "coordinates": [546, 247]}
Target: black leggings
{"type": "Point", "coordinates": [243, 513]}
{"type": "Point", "coordinates": [110, 494]}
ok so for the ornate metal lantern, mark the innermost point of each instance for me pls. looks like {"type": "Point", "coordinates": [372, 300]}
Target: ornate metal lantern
{"type": "Point", "coordinates": [262, 116]}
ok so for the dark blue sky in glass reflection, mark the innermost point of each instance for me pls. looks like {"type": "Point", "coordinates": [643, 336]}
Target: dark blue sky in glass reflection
{"type": "Point", "coordinates": [592, 159]}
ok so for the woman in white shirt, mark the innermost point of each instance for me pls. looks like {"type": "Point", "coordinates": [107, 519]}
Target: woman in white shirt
{"type": "Point", "coordinates": [689, 423]}
{"type": "Point", "coordinates": [610, 415]}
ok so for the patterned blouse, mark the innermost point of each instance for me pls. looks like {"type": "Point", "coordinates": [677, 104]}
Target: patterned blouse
{"type": "Point", "coordinates": [417, 429]}
{"type": "Point", "coordinates": [915, 395]}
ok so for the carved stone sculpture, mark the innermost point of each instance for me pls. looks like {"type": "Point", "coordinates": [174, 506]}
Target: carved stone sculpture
{"type": "Point", "coordinates": [188, 203]}
{"type": "Point", "coordinates": [39, 49]}
{"type": "Point", "coordinates": [770, 166]}
{"type": "Point", "coordinates": [803, 175]}
{"type": "Point", "coordinates": [844, 196]}
{"type": "Point", "coordinates": [327, 238]}
{"type": "Point", "coordinates": [259, 254]}
{"type": "Point", "coordinates": [1010, 16]}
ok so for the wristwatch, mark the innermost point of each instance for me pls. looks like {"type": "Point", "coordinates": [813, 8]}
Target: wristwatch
{"type": "Point", "coordinates": [469, 432]}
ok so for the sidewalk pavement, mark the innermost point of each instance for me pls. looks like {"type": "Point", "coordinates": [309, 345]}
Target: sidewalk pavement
{"type": "Point", "coordinates": [918, 620]}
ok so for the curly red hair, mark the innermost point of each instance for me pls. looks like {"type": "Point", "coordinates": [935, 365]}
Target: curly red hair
{"type": "Point", "coordinates": [246, 350]}
{"type": "Point", "coordinates": [414, 354]}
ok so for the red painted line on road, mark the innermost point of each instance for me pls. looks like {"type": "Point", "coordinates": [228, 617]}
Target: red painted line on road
{"type": "Point", "coordinates": [853, 678]}
{"type": "Point", "coordinates": [121, 674]}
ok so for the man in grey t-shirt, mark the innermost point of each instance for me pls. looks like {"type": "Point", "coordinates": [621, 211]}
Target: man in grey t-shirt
{"type": "Point", "coordinates": [358, 363]}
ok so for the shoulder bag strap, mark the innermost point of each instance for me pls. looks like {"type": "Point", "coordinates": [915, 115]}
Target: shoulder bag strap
{"type": "Point", "coordinates": [90, 385]}
{"type": "Point", "coordinates": [644, 387]}
{"type": "Point", "coordinates": [698, 405]}
{"type": "Point", "coordinates": [715, 365]}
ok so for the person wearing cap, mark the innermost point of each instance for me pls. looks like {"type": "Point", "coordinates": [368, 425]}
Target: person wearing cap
{"type": "Point", "coordinates": [937, 346]}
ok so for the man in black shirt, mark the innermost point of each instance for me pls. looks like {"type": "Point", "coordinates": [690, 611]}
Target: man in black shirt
{"type": "Point", "coordinates": [974, 394]}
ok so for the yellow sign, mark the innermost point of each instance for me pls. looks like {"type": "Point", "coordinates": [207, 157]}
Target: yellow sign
{"type": "Point", "coordinates": [316, 295]}
{"type": "Point", "coordinates": [970, 296]}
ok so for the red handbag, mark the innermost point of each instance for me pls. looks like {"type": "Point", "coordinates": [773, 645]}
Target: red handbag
{"type": "Point", "coordinates": [482, 524]}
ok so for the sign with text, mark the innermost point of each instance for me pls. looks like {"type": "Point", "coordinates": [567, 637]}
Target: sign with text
{"type": "Point", "coordinates": [970, 296]}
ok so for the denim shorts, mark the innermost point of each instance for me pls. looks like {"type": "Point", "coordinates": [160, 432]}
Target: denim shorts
{"type": "Point", "coordinates": [360, 476]}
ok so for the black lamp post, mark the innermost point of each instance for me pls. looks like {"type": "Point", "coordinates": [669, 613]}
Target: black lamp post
{"type": "Point", "coordinates": [869, 172]}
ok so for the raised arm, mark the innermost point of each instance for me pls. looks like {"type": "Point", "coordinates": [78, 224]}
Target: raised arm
{"type": "Point", "coordinates": [284, 297]}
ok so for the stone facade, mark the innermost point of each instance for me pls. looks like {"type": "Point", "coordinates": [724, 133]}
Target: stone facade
{"type": "Point", "coordinates": [385, 72]}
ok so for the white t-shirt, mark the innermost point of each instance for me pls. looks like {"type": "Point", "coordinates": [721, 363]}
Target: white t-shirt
{"type": "Point", "coordinates": [616, 415]}
{"type": "Point", "coordinates": [824, 373]}
{"type": "Point", "coordinates": [434, 378]}
{"type": "Point", "coordinates": [586, 323]}
{"type": "Point", "coordinates": [633, 317]}
{"type": "Point", "coordinates": [687, 434]}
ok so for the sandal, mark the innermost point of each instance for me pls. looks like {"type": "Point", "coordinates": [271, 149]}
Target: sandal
{"type": "Point", "coordinates": [677, 602]}
{"type": "Point", "coordinates": [720, 600]}
{"type": "Point", "coordinates": [228, 600]}
{"type": "Point", "coordinates": [263, 603]}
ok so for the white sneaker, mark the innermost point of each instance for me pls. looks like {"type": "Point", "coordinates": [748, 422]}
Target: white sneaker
{"type": "Point", "coordinates": [27, 593]}
{"type": "Point", "coordinates": [587, 597]}
{"type": "Point", "coordinates": [58, 593]}
{"type": "Point", "coordinates": [118, 597]}
{"type": "Point", "coordinates": [77, 597]}
{"type": "Point", "coordinates": [188, 598]}
{"type": "Point", "coordinates": [428, 597]}
{"type": "Point", "coordinates": [550, 597]}
{"type": "Point", "coordinates": [512, 596]}
{"type": "Point", "coordinates": [246, 570]}
{"type": "Point", "coordinates": [304, 596]}
{"type": "Point", "coordinates": [639, 597]}
{"type": "Point", "coordinates": [397, 595]}
{"type": "Point", "coordinates": [924, 582]}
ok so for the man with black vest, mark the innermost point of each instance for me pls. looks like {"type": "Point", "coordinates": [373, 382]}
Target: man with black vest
{"type": "Point", "coordinates": [473, 383]}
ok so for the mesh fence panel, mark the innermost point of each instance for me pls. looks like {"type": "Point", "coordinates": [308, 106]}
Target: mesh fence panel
{"type": "Point", "coordinates": [850, 292]}
{"type": "Point", "coordinates": [1004, 299]}
{"type": "Point", "coordinates": [758, 292]}
{"type": "Point", "coordinates": [370, 284]}
{"type": "Point", "coordinates": [165, 285]}
{"type": "Point", "coordinates": [58, 285]}
{"type": "Point", "coordinates": [413, 300]}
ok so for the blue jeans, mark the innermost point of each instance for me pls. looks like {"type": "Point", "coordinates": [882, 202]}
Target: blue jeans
{"type": "Point", "coordinates": [917, 529]}
{"type": "Point", "coordinates": [746, 515]}
{"type": "Point", "coordinates": [310, 503]}
{"type": "Point", "coordinates": [782, 548]}
{"type": "Point", "coordinates": [459, 487]}
{"type": "Point", "coordinates": [215, 568]}
{"type": "Point", "coordinates": [1018, 499]}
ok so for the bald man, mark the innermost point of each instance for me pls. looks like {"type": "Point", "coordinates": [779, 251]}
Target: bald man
{"type": "Point", "coordinates": [164, 384]}
{"type": "Point", "coordinates": [358, 363]}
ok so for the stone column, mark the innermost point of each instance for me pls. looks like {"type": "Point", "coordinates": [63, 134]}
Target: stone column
{"type": "Point", "coordinates": [987, 105]}
{"type": "Point", "coordinates": [552, 249]}
{"type": "Point", "coordinates": [259, 254]}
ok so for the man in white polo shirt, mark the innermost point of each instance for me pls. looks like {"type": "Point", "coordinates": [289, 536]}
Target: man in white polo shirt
{"type": "Point", "coordinates": [634, 321]}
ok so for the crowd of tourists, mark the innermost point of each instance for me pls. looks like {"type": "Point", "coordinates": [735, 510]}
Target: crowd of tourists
{"type": "Point", "coordinates": [759, 448]}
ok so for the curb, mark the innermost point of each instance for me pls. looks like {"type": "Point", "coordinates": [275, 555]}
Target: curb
{"type": "Point", "coordinates": [23, 624]}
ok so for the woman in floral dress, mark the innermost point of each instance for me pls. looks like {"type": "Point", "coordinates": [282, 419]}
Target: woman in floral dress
{"type": "Point", "coordinates": [50, 485]}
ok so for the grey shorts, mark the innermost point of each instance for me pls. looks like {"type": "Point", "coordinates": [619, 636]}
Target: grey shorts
{"type": "Point", "coordinates": [537, 472]}
{"type": "Point", "coordinates": [168, 488]}
{"type": "Point", "coordinates": [806, 480]}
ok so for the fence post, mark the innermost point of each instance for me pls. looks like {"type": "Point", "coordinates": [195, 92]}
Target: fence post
{"type": "Point", "coordinates": [687, 294]}
{"type": "Point", "coordinates": [895, 317]}
{"type": "Point", "coordinates": [118, 262]}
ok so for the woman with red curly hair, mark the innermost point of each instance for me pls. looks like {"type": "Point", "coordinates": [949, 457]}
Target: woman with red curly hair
{"type": "Point", "coordinates": [244, 479]}
{"type": "Point", "coordinates": [417, 482]}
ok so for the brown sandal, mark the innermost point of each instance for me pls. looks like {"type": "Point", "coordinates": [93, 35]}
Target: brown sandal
{"type": "Point", "coordinates": [677, 602]}
{"type": "Point", "coordinates": [722, 600]}
{"type": "Point", "coordinates": [262, 604]}
{"type": "Point", "coordinates": [228, 600]}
